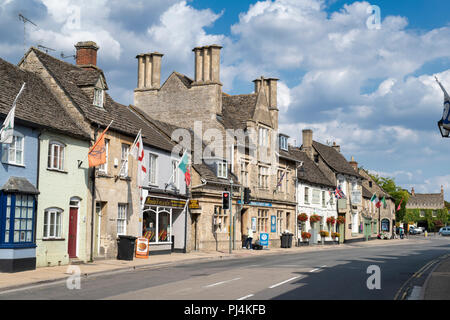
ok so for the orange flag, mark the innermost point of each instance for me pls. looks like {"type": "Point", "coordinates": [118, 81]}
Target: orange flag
{"type": "Point", "coordinates": [97, 154]}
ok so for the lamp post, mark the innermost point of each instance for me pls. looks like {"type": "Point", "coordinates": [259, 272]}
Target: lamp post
{"type": "Point", "coordinates": [231, 210]}
{"type": "Point", "coordinates": [444, 132]}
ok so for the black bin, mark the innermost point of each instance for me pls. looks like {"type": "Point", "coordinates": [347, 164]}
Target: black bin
{"type": "Point", "coordinates": [284, 240]}
{"type": "Point", "coordinates": [289, 241]}
{"type": "Point", "coordinates": [125, 247]}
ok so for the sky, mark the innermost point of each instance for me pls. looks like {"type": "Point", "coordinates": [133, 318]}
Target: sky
{"type": "Point", "coordinates": [355, 72]}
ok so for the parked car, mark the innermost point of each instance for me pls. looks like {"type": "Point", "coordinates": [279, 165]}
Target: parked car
{"type": "Point", "coordinates": [444, 231]}
{"type": "Point", "coordinates": [415, 230]}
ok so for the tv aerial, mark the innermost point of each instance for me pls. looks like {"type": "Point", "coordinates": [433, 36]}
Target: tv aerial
{"type": "Point", "coordinates": [46, 49]}
{"type": "Point", "coordinates": [25, 21]}
{"type": "Point", "coordinates": [65, 57]}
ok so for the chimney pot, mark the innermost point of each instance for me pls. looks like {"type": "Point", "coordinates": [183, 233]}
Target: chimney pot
{"type": "Point", "coordinates": [412, 191]}
{"type": "Point", "coordinates": [307, 136]}
{"type": "Point", "coordinates": [86, 53]}
{"type": "Point", "coordinates": [354, 164]}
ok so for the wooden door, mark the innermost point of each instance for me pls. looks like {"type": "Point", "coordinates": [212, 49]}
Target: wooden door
{"type": "Point", "coordinates": [73, 221]}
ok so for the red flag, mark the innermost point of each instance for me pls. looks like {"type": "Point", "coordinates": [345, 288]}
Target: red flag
{"type": "Point", "coordinates": [398, 208]}
{"type": "Point", "coordinates": [187, 177]}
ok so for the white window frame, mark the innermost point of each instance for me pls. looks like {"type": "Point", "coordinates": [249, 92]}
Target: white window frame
{"type": "Point", "coordinates": [284, 143]}
{"type": "Point", "coordinates": [152, 169]}
{"type": "Point", "coordinates": [263, 177]}
{"type": "Point", "coordinates": [244, 173]}
{"type": "Point", "coordinates": [122, 214]}
{"type": "Point", "coordinates": [324, 199]}
{"type": "Point", "coordinates": [306, 195]}
{"type": "Point", "coordinates": [6, 150]}
{"type": "Point", "coordinates": [315, 196]}
{"type": "Point", "coordinates": [104, 167]}
{"type": "Point", "coordinates": [263, 137]}
{"type": "Point", "coordinates": [124, 158]}
{"type": "Point", "coordinates": [99, 95]}
{"type": "Point", "coordinates": [222, 171]}
{"type": "Point", "coordinates": [61, 155]}
{"type": "Point", "coordinates": [52, 232]}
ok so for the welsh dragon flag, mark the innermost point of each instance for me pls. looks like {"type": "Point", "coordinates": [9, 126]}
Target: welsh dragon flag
{"type": "Point", "coordinates": [184, 167]}
{"type": "Point", "coordinates": [7, 128]}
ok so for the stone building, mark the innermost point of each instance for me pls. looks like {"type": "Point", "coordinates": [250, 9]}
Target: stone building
{"type": "Point", "coordinates": [115, 206]}
{"type": "Point", "coordinates": [241, 136]}
{"type": "Point", "coordinates": [336, 168]}
{"type": "Point", "coordinates": [426, 208]}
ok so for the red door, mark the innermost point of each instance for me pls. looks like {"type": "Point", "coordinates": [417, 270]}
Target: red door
{"type": "Point", "coordinates": [73, 232]}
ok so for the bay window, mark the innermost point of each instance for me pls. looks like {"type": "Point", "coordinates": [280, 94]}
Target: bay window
{"type": "Point", "coordinates": [17, 219]}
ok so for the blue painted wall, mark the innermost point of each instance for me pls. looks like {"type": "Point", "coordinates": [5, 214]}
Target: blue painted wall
{"type": "Point", "coordinates": [30, 168]}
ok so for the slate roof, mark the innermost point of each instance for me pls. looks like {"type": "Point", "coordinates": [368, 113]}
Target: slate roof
{"type": "Point", "coordinates": [366, 193]}
{"type": "Point", "coordinates": [37, 106]}
{"type": "Point", "coordinates": [312, 173]}
{"type": "Point", "coordinates": [203, 169]}
{"type": "Point", "coordinates": [236, 110]}
{"type": "Point", "coordinates": [335, 160]}
{"type": "Point", "coordinates": [375, 187]}
{"type": "Point", "coordinates": [424, 200]}
{"type": "Point", "coordinates": [19, 185]}
{"type": "Point", "coordinates": [71, 78]}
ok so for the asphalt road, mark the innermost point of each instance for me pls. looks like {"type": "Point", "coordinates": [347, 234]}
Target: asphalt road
{"type": "Point", "coordinates": [325, 274]}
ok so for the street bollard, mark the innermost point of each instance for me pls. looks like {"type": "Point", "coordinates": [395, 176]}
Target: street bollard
{"type": "Point", "coordinates": [426, 234]}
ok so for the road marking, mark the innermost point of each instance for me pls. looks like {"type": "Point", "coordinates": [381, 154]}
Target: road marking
{"type": "Point", "coordinates": [279, 284]}
{"type": "Point", "coordinates": [221, 282]}
{"type": "Point", "coordinates": [415, 294]}
{"type": "Point", "coordinates": [313, 270]}
{"type": "Point", "coordinates": [247, 296]}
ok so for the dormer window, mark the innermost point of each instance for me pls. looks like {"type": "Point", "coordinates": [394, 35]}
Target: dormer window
{"type": "Point", "coordinates": [222, 169]}
{"type": "Point", "coordinates": [98, 97]}
{"type": "Point", "coordinates": [284, 143]}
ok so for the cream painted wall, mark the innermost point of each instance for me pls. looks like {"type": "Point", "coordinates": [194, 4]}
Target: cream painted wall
{"type": "Point", "coordinates": [57, 189]}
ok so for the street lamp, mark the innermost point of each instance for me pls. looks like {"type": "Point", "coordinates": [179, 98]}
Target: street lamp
{"type": "Point", "coordinates": [444, 132]}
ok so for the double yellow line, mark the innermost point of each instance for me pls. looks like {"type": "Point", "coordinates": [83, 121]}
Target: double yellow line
{"type": "Point", "coordinates": [417, 275]}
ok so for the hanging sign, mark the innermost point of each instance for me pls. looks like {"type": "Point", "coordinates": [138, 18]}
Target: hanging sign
{"type": "Point", "coordinates": [142, 248]}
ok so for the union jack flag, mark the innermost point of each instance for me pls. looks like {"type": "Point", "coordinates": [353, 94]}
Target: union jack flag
{"type": "Point", "coordinates": [338, 193]}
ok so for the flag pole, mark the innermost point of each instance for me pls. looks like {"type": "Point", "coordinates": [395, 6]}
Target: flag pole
{"type": "Point", "coordinates": [128, 153]}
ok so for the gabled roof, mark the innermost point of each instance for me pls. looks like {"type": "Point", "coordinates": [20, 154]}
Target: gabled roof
{"type": "Point", "coordinates": [335, 160]}
{"type": "Point", "coordinates": [380, 192]}
{"type": "Point", "coordinates": [203, 169]}
{"type": "Point", "coordinates": [71, 78]}
{"type": "Point", "coordinates": [37, 106]}
{"type": "Point", "coordinates": [366, 193]}
{"type": "Point", "coordinates": [312, 173]}
{"type": "Point", "coordinates": [236, 110]}
{"type": "Point", "coordinates": [424, 200]}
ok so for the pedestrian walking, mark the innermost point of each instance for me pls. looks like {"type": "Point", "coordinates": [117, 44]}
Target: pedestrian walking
{"type": "Point", "coordinates": [401, 232]}
{"type": "Point", "coordinates": [248, 242]}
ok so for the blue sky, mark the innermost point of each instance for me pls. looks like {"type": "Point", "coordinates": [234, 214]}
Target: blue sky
{"type": "Point", "coordinates": [370, 90]}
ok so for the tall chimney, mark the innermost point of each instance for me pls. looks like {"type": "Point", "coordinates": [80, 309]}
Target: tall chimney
{"type": "Point", "coordinates": [257, 84]}
{"type": "Point", "coordinates": [336, 147]}
{"type": "Point", "coordinates": [442, 189]}
{"type": "Point", "coordinates": [307, 136]}
{"type": "Point", "coordinates": [207, 64]}
{"type": "Point", "coordinates": [412, 191]}
{"type": "Point", "coordinates": [354, 164]}
{"type": "Point", "coordinates": [149, 70]}
{"type": "Point", "coordinates": [86, 54]}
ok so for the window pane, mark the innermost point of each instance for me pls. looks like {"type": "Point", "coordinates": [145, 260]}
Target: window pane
{"type": "Point", "coordinates": [8, 211]}
{"type": "Point", "coordinates": [16, 224]}
{"type": "Point", "coordinates": [58, 225]}
{"type": "Point", "coordinates": [163, 226]}
{"type": "Point", "coordinates": [28, 239]}
{"type": "Point", "coordinates": [16, 236]}
{"type": "Point", "coordinates": [19, 159]}
{"type": "Point", "coordinates": [7, 224]}
{"type": "Point", "coordinates": [7, 236]}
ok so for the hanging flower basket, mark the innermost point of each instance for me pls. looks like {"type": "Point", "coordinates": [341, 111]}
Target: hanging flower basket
{"type": "Point", "coordinates": [335, 235]}
{"type": "Point", "coordinates": [315, 218]}
{"type": "Point", "coordinates": [302, 217]}
{"type": "Point", "coordinates": [331, 220]}
{"type": "Point", "coordinates": [324, 233]}
{"type": "Point", "coordinates": [306, 235]}
{"type": "Point", "coordinates": [340, 220]}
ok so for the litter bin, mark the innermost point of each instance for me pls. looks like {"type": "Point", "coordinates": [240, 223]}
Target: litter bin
{"type": "Point", "coordinates": [289, 235]}
{"type": "Point", "coordinates": [284, 240]}
{"type": "Point", "coordinates": [125, 247]}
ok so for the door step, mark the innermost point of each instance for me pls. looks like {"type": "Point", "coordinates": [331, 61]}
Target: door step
{"type": "Point", "coordinates": [75, 261]}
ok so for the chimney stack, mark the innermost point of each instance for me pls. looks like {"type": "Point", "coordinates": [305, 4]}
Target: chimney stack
{"type": "Point", "coordinates": [207, 64]}
{"type": "Point", "coordinates": [307, 136]}
{"type": "Point", "coordinates": [412, 191]}
{"type": "Point", "coordinates": [86, 54]}
{"type": "Point", "coordinates": [336, 147]}
{"type": "Point", "coordinates": [149, 70]}
{"type": "Point", "coordinates": [354, 164]}
{"type": "Point", "coordinates": [442, 189]}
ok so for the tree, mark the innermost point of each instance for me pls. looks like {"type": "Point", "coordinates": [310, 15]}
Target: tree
{"type": "Point", "coordinates": [396, 192]}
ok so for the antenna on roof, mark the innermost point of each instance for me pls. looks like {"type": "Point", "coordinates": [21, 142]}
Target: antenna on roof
{"type": "Point", "coordinates": [65, 57]}
{"type": "Point", "coordinates": [45, 48]}
{"type": "Point", "coordinates": [25, 20]}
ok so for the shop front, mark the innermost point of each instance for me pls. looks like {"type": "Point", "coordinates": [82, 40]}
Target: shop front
{"type": "Point", "coordinates": [164, 222]}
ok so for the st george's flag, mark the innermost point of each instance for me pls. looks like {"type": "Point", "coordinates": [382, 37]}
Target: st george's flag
{"type": "Point", "coordinates": [97, 153]}
{"type": "Point", "coordinates": [7, 128]}
{"type": "Point", "coordinates": [137, 151]}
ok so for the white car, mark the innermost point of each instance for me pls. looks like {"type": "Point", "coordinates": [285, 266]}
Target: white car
{"type": "Point", "coordinates": [444, 231]}
{"type": "Point", "coordinates": [415, 230]}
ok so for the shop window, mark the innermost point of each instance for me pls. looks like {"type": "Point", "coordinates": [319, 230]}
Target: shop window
{"type": "Point", "coordinates": [12, 153]}
{"type": "Point", "coordinates": [157, 225]}
{"type": "Point", "coordinates": [17, 227]}
{"type": "Point", "coordinates": [385, 225]}
{"type": "Point", "coordinates": [52, 223]}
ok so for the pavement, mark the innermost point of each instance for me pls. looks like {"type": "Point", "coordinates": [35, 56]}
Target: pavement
{"type": "Point", "coordinates": [433, 288]}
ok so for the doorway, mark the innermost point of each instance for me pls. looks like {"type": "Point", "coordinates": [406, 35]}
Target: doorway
{"type": "Point", "coordinates": [73, 227]}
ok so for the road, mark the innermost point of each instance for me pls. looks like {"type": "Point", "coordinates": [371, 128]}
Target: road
{"type": "Point", "coordinates": [326, 274]}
